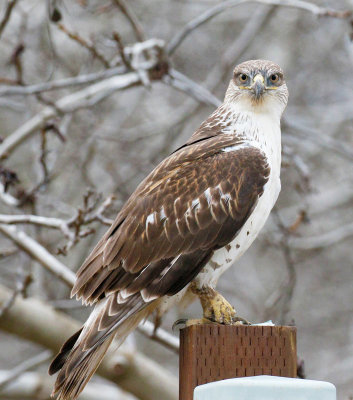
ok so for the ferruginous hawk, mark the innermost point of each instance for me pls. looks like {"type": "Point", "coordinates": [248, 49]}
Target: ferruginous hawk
{"type": "Point", "coordinates": [193, 216]}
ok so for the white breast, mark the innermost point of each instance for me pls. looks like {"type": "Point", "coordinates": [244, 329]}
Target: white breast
{"type": "Point", "coordinates": [265, 134]}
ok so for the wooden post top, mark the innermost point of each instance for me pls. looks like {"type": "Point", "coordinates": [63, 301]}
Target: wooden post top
{"type": "Point", "coordinates": [213, 352]}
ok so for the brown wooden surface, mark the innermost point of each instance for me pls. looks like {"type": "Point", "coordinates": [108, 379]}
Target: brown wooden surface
{"type": "Point", "coordinates": [214, 352]}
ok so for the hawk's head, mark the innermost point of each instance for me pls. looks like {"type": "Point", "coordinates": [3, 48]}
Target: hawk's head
{"type": "Point", "coordinates": [258, 85]}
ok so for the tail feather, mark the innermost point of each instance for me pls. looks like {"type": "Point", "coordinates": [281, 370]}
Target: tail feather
{"type": "Point", "coordinates": [65, 350]}
{"type": "Point", "coordinates": [82, 353]}
{"type": "Point", "coordinates": [78, 370]}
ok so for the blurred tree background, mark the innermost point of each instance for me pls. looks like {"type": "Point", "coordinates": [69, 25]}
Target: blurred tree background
{"type": "Point", "coordinates": [93, 94]}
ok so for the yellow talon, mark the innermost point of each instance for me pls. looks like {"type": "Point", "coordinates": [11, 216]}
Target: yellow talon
{"type": "Point", "coordinates": [216, 309]}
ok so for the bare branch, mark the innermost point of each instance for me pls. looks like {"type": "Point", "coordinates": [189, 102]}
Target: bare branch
{"type": "Point", "coordinates": [23, 280]}
{"type": "Point", "coordinates": [49, 222]}
{"type": "Point", "coordinates": [83, 42]}
{"type": "Point", "coordinates": [10, 5]}
{"type": "Point", "coordinates": [26, 365]}
{"type": "Point", "coordinates": [130, 15]}
{"type": "Point", "coordinates": [27, 317]}
{"type": "Point", "coordinates": [39, 253]}
{"type": "Point", "coordinates": [176, 41]}
{"type": "Point", "coordinates": [67, 104]}
{"type": "Point", "coordinates": [181, 82]}
{"type": "Point", "coordinates": [7, 198]}
{"type": "Point", "coordinates": [85, 215]}
{"type": "Point", "coordinates": [61, 83]}
{"type": "Point", "coordinates": [160, 336]}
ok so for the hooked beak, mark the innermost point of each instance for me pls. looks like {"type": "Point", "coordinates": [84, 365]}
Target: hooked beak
{"type": "Point", "coordinates": [258, 87]}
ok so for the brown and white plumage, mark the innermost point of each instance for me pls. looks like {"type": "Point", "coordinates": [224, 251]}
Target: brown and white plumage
{"type": "Point", "coordinates": [182, 223]}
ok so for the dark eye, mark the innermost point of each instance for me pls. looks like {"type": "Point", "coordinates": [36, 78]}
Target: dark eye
{"type": "Point", "coordinates": [274, 78]}
{"type": "Point", "coordinates": [243, 78]}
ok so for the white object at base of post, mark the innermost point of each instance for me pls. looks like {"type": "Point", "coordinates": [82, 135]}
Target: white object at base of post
{"type": "Point", "coordinates": [266, 388]}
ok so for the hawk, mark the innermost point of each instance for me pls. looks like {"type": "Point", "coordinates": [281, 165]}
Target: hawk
{"type": "Point", "coordinates": [188, 221]}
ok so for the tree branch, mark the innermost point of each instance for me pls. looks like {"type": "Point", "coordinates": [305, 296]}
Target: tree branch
{"type": "Point", "coordinates": [7, 198]}
{"type": "Point", "coordinates": [60, 83]}
{"type": "Point", "coordinates": [26, 365]}
{"type": "Point", "coordinates": [82, 98]}
{"type": "Point", "coordinates": [10, 5]}
{"type": "Point", "coordinates": [131, 17]}
{"type": "Point", "coordinates": [39, 253]}
{"type": "Point", "coordinates": [27, 317]}
{"type": "Point", "coordinates": [160, 336]}
{"type": "Point", "coordinates": [181, 82]}
{"type": "Point", "coordinates": [84, 43]}
{"type": "Point", "coordinates": [195, 23]}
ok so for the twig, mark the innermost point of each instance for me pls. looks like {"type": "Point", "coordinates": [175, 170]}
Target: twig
{"type": "Point", "coordinates": [219, 8]}
{"type": "Point", "coordinates": [302, 217]}
{"type": "Point", "coordinates": [130, 15]}
{"type": "Point", "coordinates": [10, 5]}
{"type": "Point", "coordinates": [22, 283]}
{"type": "Point", "coordinates": [17, 62]}
{"type": "Point", "coordinates": [71, 228]}
{"type": "Point", "coordinates": [67, 104]}
{"type": "Point", "coordinates": [83, 42]}
{"type": "Point", "coordinates": [7, 198]}
{"type": "Point", "coordinates": [39, 253]}
{"type": "Point", "coordinates": [66, 304]}
{"type": "Point", "coordinates": [121, 49]}
{"type": "Point", "coordinates": [8, 252]}
{"type": "Point", "coordinates": [8, 177]}
{"type": "Point", "coordinates": [181, 82]}
{"type": "Point", "coordinates": [26, 365]}
{"type": "Point", "coordinates": [43, 156]}
{"type": "Point", "coordinates": [61, 83]}
{"type": "Point", "coordinates": [49, 222]}
{"type": "Point", "coordinates": [85, 216]}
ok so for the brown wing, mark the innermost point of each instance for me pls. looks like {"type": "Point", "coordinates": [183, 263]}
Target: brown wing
{"type": "Point", "coordinates": [194, 202]}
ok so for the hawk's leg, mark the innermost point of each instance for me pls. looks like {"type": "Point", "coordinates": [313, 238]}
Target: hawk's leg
{"type": "Point", "coordinates": [216, 308]}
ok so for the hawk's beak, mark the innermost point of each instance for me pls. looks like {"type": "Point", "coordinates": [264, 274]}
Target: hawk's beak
{"type": "Point", "coordinates": [258, 87]}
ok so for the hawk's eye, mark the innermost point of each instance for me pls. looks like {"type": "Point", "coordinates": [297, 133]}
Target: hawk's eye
{"type": "Point", "coordinates": [243, 78]}
{"type": "Point", "coordinates": [274, 78]}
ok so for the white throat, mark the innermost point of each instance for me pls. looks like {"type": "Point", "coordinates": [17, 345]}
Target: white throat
{"type": "Point", "coordinates": [259, 126]}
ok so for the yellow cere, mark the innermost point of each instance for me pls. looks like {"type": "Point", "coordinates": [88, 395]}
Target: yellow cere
{"type": "Point", "coordinates": [259, 77]}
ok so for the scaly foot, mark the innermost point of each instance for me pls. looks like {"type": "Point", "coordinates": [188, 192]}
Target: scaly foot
{"type": "Point", "coordinates": [216, 309]}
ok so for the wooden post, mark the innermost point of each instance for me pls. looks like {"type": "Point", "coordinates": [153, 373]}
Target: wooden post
{"type": "Point", "coordinates": [214, 352]}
